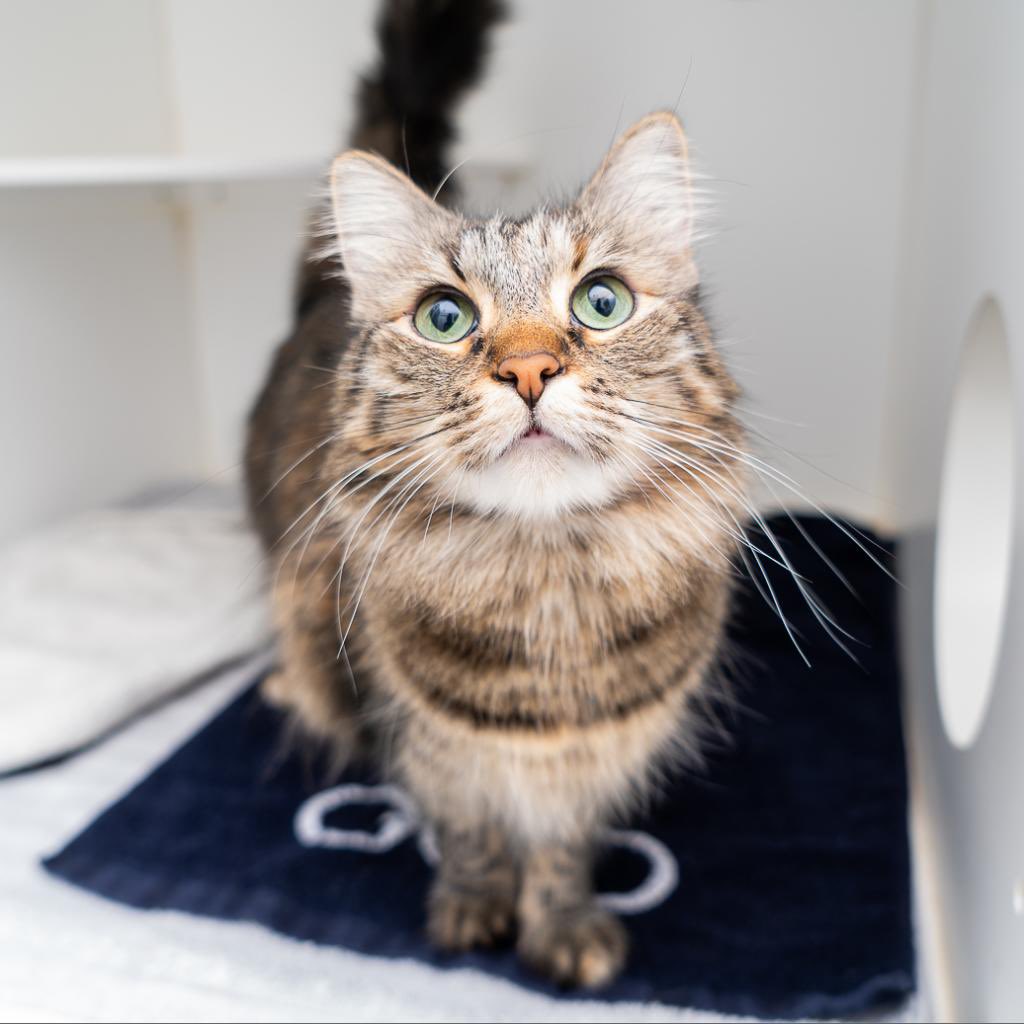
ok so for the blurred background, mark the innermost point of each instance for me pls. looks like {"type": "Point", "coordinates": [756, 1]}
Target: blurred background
{"type": "Point", "coordinates": [865, 266]}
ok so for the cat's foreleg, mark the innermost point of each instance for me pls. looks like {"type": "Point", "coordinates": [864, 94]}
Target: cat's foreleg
{"type": "Point", "coordinates": [473, 898]}
{"type": "Point", "coordinates": [563, 933]}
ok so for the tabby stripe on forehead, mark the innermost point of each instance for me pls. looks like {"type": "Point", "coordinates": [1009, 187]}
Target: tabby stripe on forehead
{"type": "Point", "coordinates": [579, 254]}
{"type": "Point", "coordinates": [453, 262]}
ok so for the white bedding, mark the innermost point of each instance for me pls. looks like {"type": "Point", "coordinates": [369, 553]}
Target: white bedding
{"type": "Point", "coordinates": [107, 612]}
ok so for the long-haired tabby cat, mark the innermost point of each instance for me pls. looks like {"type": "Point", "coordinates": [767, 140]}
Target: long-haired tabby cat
{"type": "Point", "coordinates": [492, 553]}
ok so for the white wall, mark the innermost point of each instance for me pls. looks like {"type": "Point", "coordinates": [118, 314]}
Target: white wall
{"type": "Point", "coordinates": [261, 78]}
{"type": "Point", "coordinates": [83, 79]}
{"type": "Point", "coordinates": [967, 242]}
{"type": "Point", "coordinates": [244, 242]}
{"type": "Point", "coordinates": [97, 391]}
{"type": "Point", "coordinates": [97, 394]}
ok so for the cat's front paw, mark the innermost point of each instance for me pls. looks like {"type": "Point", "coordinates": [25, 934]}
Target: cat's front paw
{"type": "Point", "coordinates": [583, 947]}
{"type": "Point", "coordinates": [458, 920]}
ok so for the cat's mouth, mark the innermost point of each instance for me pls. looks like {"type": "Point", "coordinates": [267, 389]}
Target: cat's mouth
{"type": "Point", "coordinates": [538, 438]}
{"type": "Point", "coordinates": [533, 439]}
{"type": "Point", "coordinates": [534, 434]}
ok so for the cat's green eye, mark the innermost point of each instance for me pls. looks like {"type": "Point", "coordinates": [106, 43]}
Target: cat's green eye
{"type": "Point", "coordinates": [445, 317]}
{"type": "Point", "coordinates": [602, 302]}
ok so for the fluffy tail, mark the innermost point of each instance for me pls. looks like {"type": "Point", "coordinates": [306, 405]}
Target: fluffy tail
{"type": "Point", "coordinates": [431, 53]}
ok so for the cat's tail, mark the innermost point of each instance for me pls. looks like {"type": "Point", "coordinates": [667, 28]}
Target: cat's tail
{"type": "Point", "coordinates": [431, 53]}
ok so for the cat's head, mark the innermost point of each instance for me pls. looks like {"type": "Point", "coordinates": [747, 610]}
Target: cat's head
{"type": "Point", "coordinates": [522, 366]}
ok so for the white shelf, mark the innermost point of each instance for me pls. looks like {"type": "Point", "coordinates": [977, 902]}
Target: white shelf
{"type": "Point", "coordinates": [73, 172]}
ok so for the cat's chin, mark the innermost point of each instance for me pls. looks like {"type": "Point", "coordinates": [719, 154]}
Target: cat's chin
{"type": "Point", "coordinates": [540, 477]}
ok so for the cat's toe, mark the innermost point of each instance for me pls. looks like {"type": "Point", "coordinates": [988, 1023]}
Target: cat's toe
{"type": "Point", "coordinates": [459, 921]}
{"type": "Point", "coordinates": [586, 947]}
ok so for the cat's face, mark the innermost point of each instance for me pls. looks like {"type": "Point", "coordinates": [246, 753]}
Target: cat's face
{"type": "Point", "coordinates": [524, 363]}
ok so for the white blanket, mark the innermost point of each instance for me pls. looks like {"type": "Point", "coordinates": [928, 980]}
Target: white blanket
{"type": "Point", "coordinates": [106, 614]}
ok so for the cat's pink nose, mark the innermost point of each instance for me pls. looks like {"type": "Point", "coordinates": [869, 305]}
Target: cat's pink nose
{"type": "Point", "coordinates": [530, 373]}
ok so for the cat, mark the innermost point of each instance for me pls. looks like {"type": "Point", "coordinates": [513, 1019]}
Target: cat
{"type": "Point", "coordinates": [498, 474]}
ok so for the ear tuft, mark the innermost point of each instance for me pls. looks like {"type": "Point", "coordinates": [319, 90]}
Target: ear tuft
{"type": "Point", "coordinates": [388, 231]}
{"type": "Point", "coordinates": [644, 190]}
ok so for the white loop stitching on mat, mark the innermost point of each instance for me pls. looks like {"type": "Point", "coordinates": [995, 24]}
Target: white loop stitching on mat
{"type": "Point", "coordinates": [396, 825]}
{"type": "Point", "coordinates": [662, 875]}
{"type": "Point", "coordinates": [402, 821]}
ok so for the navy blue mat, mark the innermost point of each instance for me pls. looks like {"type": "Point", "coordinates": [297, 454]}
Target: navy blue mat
{"type": "Point", "coordinates": [774, 883]}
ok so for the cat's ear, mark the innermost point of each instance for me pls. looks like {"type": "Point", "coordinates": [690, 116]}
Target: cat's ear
{"type": "Point", "coordinates": [644, 193]}
{"type": "Point", "coordinates": [388, 232]}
